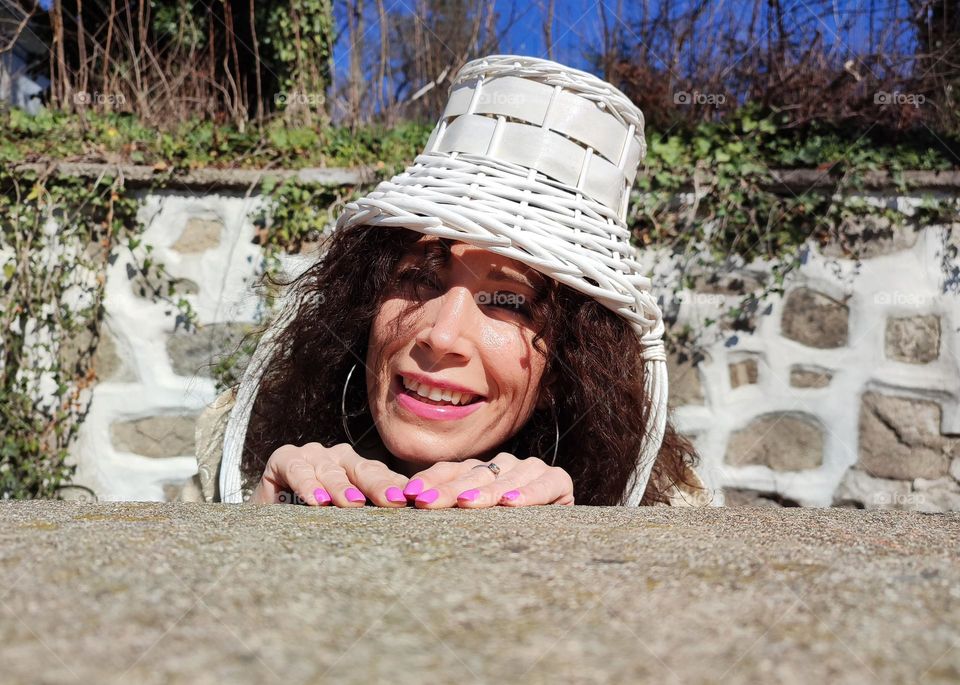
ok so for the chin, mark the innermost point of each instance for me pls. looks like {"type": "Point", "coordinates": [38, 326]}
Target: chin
{"type": "Point", "coordinates": [424, 448]}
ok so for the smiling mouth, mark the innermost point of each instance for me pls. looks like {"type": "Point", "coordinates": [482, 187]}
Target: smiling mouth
{"type": "Point", "coordinates": [436, 396]}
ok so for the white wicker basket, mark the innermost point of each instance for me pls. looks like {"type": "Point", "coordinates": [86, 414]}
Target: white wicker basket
{"type": "Point", "coordinates": [534, 161]}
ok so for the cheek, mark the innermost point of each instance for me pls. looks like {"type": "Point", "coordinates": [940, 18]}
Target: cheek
{"type": "Point", "coordinates": [513, 361]}
{"type": "Point", "coordinates": [496, 340]}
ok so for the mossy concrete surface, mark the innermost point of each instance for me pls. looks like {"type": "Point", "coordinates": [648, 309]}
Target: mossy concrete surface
{"type": "Point", "coordinates": [210, 593]}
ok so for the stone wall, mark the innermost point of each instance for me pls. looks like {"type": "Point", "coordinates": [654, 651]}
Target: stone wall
{"type": "Point", "coordinates": [137, 441]}
{"type": "Point", "coordinates": [846, 393]}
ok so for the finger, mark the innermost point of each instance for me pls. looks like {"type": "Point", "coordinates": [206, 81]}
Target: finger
{"type": "Point", "coordinates": [441, 472]}
{"type": "Point", "coordinates": [334, 480]}
{"type": "Point", "coordinates": [272, 483]}
{"type": "Point", "coordinates": [375, 479]}
{"type": "Point", "coordinates": [446, 494]}
{"type": "Point", "coordinates": [267, 491]}
{"type": "Point", "coordinates": [328, 470]}
{"type": "Point", "coordinates": [488, 495]}
{"type": "Point", "coordinates": [371, 477]}
{"type": "Point", "coordinates": [553, 487]}
{"type": "Point", "coordinates": [302, 482]}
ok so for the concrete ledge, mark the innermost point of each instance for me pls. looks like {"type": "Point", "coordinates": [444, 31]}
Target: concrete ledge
{"type": "Point", "coordinates": [145, 592]}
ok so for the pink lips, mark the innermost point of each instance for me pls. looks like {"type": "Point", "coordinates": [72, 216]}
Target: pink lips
{"type": "Point", "coordinates": [433, 411]}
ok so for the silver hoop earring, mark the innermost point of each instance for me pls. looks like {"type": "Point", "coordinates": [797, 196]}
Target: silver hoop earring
{"type": "Point", "coordinates": [343, 407]}
{"type": "Point", "coordinates": [556, 425]}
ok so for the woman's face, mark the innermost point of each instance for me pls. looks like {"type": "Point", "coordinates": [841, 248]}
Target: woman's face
{"type": "Point", "coordinates": [461, 376]}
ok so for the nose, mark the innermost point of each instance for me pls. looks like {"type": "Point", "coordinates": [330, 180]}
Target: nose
{"type": "Point", "coordinates": [453, 316]}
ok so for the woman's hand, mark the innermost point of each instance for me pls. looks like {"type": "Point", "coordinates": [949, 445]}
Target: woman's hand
{"type": "Point", "coordinates": [318, 475]}
{"type": "Point", "coordinates": [521, 482]}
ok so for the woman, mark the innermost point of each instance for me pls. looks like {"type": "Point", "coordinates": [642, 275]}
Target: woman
{"type": "Point", "coordinates": [477, 332]}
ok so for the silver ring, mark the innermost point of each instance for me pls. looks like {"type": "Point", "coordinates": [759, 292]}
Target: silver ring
{"type": "Point", "coordinates": [493, 467]}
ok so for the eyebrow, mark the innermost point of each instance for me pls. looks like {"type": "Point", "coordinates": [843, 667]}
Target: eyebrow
{"type": "Point", "coordinates": [497, 275]}
{"type": "Point", "coordinates": [421, 247]}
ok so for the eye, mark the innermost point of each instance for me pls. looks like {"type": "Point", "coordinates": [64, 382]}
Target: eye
{"type": "Point", "coordinates": [419, 279]}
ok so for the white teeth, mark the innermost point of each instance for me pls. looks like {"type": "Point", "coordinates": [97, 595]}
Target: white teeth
{"type": "Point", "coordinates": [437, 394]}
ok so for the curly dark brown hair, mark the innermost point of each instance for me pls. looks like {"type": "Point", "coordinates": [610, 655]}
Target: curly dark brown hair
{"type": "Point", "coordinates": [593, 379]}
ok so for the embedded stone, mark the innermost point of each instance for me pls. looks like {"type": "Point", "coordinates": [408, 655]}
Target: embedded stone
{"type": "Point", "coordinates": [728, 282]}
{"type": "Point", "coordinates": [939, 494]}
{"type": "Point", "coordinates": [801, 377]}
{"type": "Point", "coordinates": [108, 363]}
{"type": "Point", "coordinates": [867, 237]}
{"type": "Point", "coordinates": [200, 351]}
{"type": "Point", "coordinates": [155, 436]}
{"type": "Point", "coordinates": [683, 374]}
{"type": "Point", "coordinates": [913, 339]}
{"type": "Point", "coordinates": [199, 235]}
{"type": "Point", "coordinates": [869, 492]}
{"type": "Point", "coordinates": [75, 351]}
{"type": "Point", "coordinates": [743, 373]}
{"type": "Point", "coordinates": [104, 359]}
{"type": "Point", "coordinates": [142, 287]}
{"type": "Point", "coordinates": [900, 438]}
{"type": "Point", "coordinates": [814, 319]}
{"type": "Point", "coordinates": [945, 483]}
{"type": "Point", "coordinates": [783, 441]}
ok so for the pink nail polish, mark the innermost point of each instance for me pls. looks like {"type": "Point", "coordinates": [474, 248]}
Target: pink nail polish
{"type": "Point", "coordinates": [395, 495]}
{"type": "Point", "coordinates": [428, 496]}
{"type": "Point", "coordinates": [469, 495]}
{"type": "Point", "coordinates": [414, 488]}
{"type": "Point", "coordinates": [321, 495]}
{"type": "Point", "coordinates": [354, 495]}
{"type": "Point", "coordinates": [511, 495]}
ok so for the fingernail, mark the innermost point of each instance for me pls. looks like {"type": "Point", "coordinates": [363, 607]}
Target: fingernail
{"type": "Point", "coordinates": [321, 495]}
{"type": "Point", "coordinates": [395, 495]}
{"type": "Point", "coordinates": [469, 495]}
{"type": "Point", "coordinates": [354, 495]}
{"type": "Point", "coordinates": [511, 495]}
{"type": "Point", "coordinates": [414, 487]}
{"type": "Point", "coordinates": [428, 496]}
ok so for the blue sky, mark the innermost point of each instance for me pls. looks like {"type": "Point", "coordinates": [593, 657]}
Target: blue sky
{"type": "Point", "coordinates": [577, 24]}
